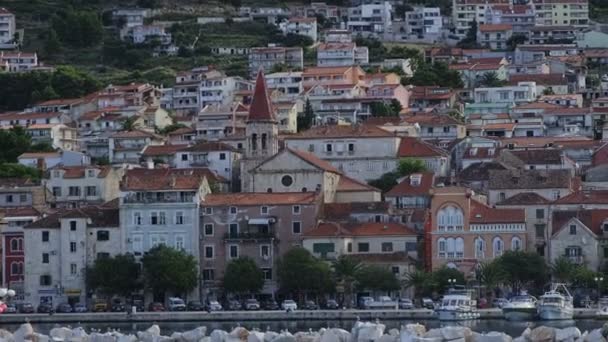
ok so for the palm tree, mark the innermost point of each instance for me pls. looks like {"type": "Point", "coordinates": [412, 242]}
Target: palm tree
{"type": "Point", "coordinates": [421, 281]}
{"type": "Point", "coordinates": [490, 79]}
{"type": "Point", "coordinates": [563, 270]}
{"type": "Point", "coordinates": [345, 270]}
{"type": "Point", "coordinates": [130, 123]}
{"type": "Point", "coordinates": [490, 274]}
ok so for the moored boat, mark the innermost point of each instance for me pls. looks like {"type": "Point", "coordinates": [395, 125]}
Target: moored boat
{"type": "Point", "coordinates": [520, 308]}
{"type": "Point", "coordinates": [556, 304]}
{"type": "Point", "coordinates": [457, 305]}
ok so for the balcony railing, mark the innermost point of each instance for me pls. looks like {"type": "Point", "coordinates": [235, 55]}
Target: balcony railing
{"type": "Point", "coordinates": [250, 236]}
{"type": "Point", "coordinates": [154, 199]}
{"type": "Point", "coordinates": [576, 259]}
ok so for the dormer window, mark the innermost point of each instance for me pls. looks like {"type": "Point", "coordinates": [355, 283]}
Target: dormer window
{"type": "Point", "coordinates": [415, 179]}
{"type": "Point", "coordinates": [90, 173]}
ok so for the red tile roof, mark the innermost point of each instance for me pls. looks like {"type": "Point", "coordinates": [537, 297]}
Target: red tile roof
{"type": "Point", "coordinates": [19, 212]}
{"type": "Point", "coordinates": [166, 179]}
{"type": "Point", "coordinates": [482, 214]}
{"type": "Point", "coordinates": [160, 150]}
{"type": "Point", "coordinates": [480, 153]}
{"type": "Point", "coordinates": [259, 198]}
{"type": "Point", "coordinates": [208, 146]}
{"type": "Point", "coordinates": [415, 148]}
{"type": "Point", "coordinates": [134, 134]}
{"type": "Point", "coordinates": [585, 197]}
{"type": "Point", "coordinates": [495, 27]}
{"type": "Point", "coordinates": [341, 131]}
{"type": "Point", "coordinates": [261, 106]}
{"type": "Point", "coordinates": [431, 93]}
{"type": "Point", "coordinates": [72, 172]}
{"type": "Point", "coordinates": [99, 216]}
{"type": "Point", "coordinates": [405, 188]}
{"type": "Point", "coordinates": [592, 219]}
{"type": "Point", "coordinates": [525, 198]}
{"type": "Point", "coordinates": [314, 160]}
{"type": "Point", "coordinates": [347, 184]}
{"type": "Point", "coordinates": [432, 119]}
{"type": "Point", "coordinates": [540, 79]}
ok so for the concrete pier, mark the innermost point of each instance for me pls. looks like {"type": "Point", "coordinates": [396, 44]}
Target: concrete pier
{"type": "Point", "coordinates": [244, 316]}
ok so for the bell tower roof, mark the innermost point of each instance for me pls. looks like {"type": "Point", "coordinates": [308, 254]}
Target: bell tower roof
{"type": "Point", "coordinates": [261, 106]}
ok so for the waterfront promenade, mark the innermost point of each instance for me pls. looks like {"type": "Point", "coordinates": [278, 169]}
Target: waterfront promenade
{"type": "Point", "coordinates": [244, 316]}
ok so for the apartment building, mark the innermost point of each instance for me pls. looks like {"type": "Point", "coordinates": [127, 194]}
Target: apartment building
{"type": "Point", "coordinates": [18, 61]}
{"type": "Point", "coordinates": [562, 12]}
{"type": "Point", "coordinates": [329, 12]}
{"type": "Point", "coordinates": [77, 186]}
{"type": "Point", "coordinates": [268, 57]}
{"type": "Point", "coordinates": [126, 146]}
{"type": "Point", "coordinates": [553, 34]}
{"type": "Point", "coordinates": [494, 36]}
{"type": "Point", "coordinates": [217, 122]}
{"type": "Point", "coordinates": [61, 246]}
{"type": "Point", "coordinates": [285, 84]}
{"type": "Point", "coordinates": [521, 17]}
{"type": "Point", "coordinates": [7, 27]}
{"type": "Point", "coordinates": [370, 19]}
{"type": "Point", "coordinates": [423, 21]}
{"type": "Point", "coordinates": [341, 54]}
{"type": "Point", "coordinates": [464, 12]}
{"type": "Point", "coordinates": [551, 184]}
{"type": "Point", "coordinates": [306, 26]}
{"type": "Point", "coordinates": [262, 226]}
{"type": "Point", "coordinates": [524, 92]}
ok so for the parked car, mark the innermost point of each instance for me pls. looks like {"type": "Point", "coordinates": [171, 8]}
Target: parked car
{"type": "Point", "coordinates": [383, 302]}
{"type": "Point", "coordinates": [482, 303]}
{"type": "Point", "coordinates": [100, 305]}
{"type": "Point", "coordinates": [138, 303]}
{"type": "Point", "coordinates": [80, 308]}
{"type": "Point", "coordinates": [117, 306]}
{"type": "Point", "coordinates": [289, 305]}
{"type": "Point", "coordinates": [176, 304]}
{"type": "Point", "coordinates": [271, 304]}
{"type": "Point", "coordinates": [251, 304]}
{"type": "Point", "coordinates": [499, 302]}
{"type": "Point", "coordinates": [11, 309]}
{"type": "Point", "coordinates": [233, 305]}
{"type": "Point", "coordinates": [406, 304]}
{"type": "Point", "coordinates": [427, 303]}
{"type": "Point", "coordinates": [332, 304]}
{"type": "Point", "coordinates": [310, 305]}
{"type": "Point", "coordinates": [214, 305]}
{"type": "Point", "coordinates": [45, 308]}
{"type": "Point", "coordinates": [156, 307]}
{"type": "Point", "coordinates": [64, 308]}
{"type": "Point", "coordinates": [26, 308]}
{"type": "Point", "coordinates": [195, 306]}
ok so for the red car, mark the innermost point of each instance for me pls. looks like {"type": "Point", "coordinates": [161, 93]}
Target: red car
{"type": "Point", "coordinates": [156, 307]}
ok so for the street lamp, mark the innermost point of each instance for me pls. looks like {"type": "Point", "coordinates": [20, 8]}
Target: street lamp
{"type": "Point", "coordinates": [599, 281]}
{"type": "Point", "coordinates": [452, 282]}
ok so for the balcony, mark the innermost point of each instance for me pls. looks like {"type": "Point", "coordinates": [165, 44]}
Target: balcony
{"type": "Point", "coordinates": [250, 236]}
{"type": "Point", "coordinates": [576, 259]}
{"type": "Point", "coordinates": [151, 198]}
{"type": "Point", "coordinates": [200, 162]}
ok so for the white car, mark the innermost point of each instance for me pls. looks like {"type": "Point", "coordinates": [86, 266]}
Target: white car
{"type": "Point", "coordinates": [289, 305]}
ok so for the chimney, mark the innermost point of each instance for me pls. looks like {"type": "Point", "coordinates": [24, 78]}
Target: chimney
{"type": "Point", "coordinates": [149, 164]}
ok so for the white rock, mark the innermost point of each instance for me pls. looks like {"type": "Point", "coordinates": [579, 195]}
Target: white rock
{"type": "Point", "coordinates": [388, 338]}
{"type": "Point", "coordinates": [364, 332]}
{"type": "Point", "coordinates": [492, 336]}
{"type": "Point", "coordinates": [194, 335]}
{"type": "Point", "coordinates": [393, 332]}
{"type": "Point", "coordinates": [107, 337]}
{"type": "Point", "coordinates": [60, 334]}
{"type": "Point", "coordinates": [218, 335]}
{"type": "Point", "coordinates": [335, 335]}
{"type": "Point", "coordinates": [256, 336]}
{"type": "Point", "coordinates": [126, 338]}
{"type": "Point", "coordinates": [520, 339]}
{"type": "Point", "coordinates": [270, 335]}
{"type": "Point", "coordinates": [569, 334]}
{"type": "Point", "coordinates": [434, 333]}
{"type": "Point", "coordinates": [284, 338]}
{"type": "Point", "coordinates": [154, 329]}
{"type": "Point", "coordinates": [6, 335]}
{"type": "Point", "coordinates": [542, 334]}
{"type": "Point", "coordinates": [595, 336]}
{"type": "Point", "coordinates": [24, 333]}
{"type": "Point", "coordinates": [39, 338]}
{"type": "Point", "coordinates": [455, 332]}
{"type": "Point", "coordinates": [238, 334]}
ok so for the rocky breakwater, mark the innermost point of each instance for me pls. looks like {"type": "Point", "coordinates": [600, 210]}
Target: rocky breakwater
{"type": "Point", "coordinates": [361, 332]}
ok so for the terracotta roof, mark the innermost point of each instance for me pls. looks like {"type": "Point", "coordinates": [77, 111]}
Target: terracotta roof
{"type": "Point", "coordinates": [568, 111]}
{"type": "Point", "coordinates": [592, 219]}
{"type": "Point", "coordinates": [481, 213]}
{"type": "Point", "coordinates": [208, 146]}
{"type": "Point", "coordinates": [347, 184]}
{"type": "Point", "coordinates": [361, 229]}
{"type": "Point", "coordinates": [529, 179]}
{"type": "Point", "coordinates": [70, 172]}
{"type": "Point", "coordinates": [315, 71]}
{"type": "Point", "coordinates": [431, 93]}
{"type": "Point", "coordinates": [19, 212]}
{"type": "Point", "coordinates": [314, 160]}
{"type": "Point", "coordinates": [60, 102]}
{"type": "Point", "coordinates": [343, 211]}
{"type": "Point", "coordinates": [537, 156]}
{"type": "Point", "coordinates": [495, 27]}
{"type": "Point", "coordinates": [166, 179]}
{"type": "Point", "coordinates": [259, 198]}
{"type": "Point", "coordinates": [100, 216]}
{"type": "Point", "coordinates": [585, 197]}
{"type": "Point", "coordinates": [16, 182]}
{"type": "Point", "coordinates": [30, 116]}
{"type": "Point", "coordinates": [261, 106]}
{"type": "Point", "coordinates": [432, 119]}
{"type": "Point", "coordinates": [160, 150]}
{"type": "Point", "coordinates": [405, 188]}
{"type": "Point", "coordinates": [525, 198]}
{"type": "Point", "coordinates": [540, 79]}
{"type": "Point", "coordinates": [480, 153]}
{"type": "Point", "coordinates": [415, 148]}
{"type": "Point", "coordinates": [342, 131]}
{"type": "Point", "coordinates": [29, 155]}
{"type": "Point", "coordinates": [183, 130]}
{"type": "Point", "coordinates": [538, 105]}
{"type": "Point", "coordinates": [478, 172]}
{"type": "Point", "coordinates": [134, 134]}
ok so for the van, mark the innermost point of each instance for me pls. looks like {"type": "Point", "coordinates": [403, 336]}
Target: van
{"type": "Point", "coordinates": [176, 304]}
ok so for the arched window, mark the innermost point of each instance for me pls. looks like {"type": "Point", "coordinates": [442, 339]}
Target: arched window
{"type": "Point", "coordinates": [441, 247]}
{"type": "Point", "coordinates": [16, 244]}
{"type": "Point", "coordinates": [254, 142]}
{"type": "Point", "coordinates": [264, 141]}
{"type": "Point", "coordinates": [480, 248]}
{"type": "Point", "coordinates": [450, 218]}
{"type": "Point", "coordinates": [451, 248]}
{"type": "Point", "coordinates": [459, 247]}
{"type": "Point", "coordinates": [498, 246]}
{"type": "Point", "coordinates": [16, 268]}
{"type": "Point", "coordinates": [516, 244]}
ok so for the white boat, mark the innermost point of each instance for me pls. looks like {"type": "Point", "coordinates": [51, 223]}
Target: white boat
{"type": "Point", "coordinates": [602, 312]}
{"type": "Point", "coordinates": [556, 304]}
{"type": "Point", "coordinates": [520, 308]}
{"type": "Point", "coordinates": [457, 305]}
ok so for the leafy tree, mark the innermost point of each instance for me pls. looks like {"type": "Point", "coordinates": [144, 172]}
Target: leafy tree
{"type": "Point", "coordinates": [130, 124]}
{"type": "Point", "coordinates": [562, 269]}
{"type": "Point", "coordinates": [515, 40]}
{"type": "Point", "coordinates": [147, 3]}
{"type": "Point", "coordinates": [168, 269]}
{"type": "Point", "coordinates": [377, 50]}
{"type": "Point", "coordinates": [422, 282]}
{"type": "Point", "coordinates": [345, 270]}
{"type": "Point", "coordinates": [78, 28]}
{"type": "Point", "coordinates": [168, 129]}
{"type": "Point", "coordinates": [442, 275]}
{"type": "Point", "coordinates": [386, 182]}
{"type": "Point", "coordinates": [437, 74]}
{"type": "Point", "coordinates": [118, 275]}
{"type": "Point", "coordinates": [52, 45]}
{"type": "Point", "coordinates": [548, 91]}
{"type": "Point", "coordinates": [490, 274]}
{"type": "Point", "coordinates": [376, 278]}
{"type": "Point", "coordinates": [307, 118]}
{"type": "Point", "coordinates": [300, 273]}
{"type": "Point", "coordinates": [13, 142]}
{"type": "Point", "coordinates": [401, 9]}
{"type": "Point", "coordinates": [407, 166]}
{"type": "Point", "coordinates": [292, 39]}
{"type": "Point", "coordinates": [243, 276]}
{"type": "Point", "coordinates": [490, 79]}
{"type": "Point", "coordinates": [523, 268]}
{"type": "Point", "coordinates": [470, 40]}
{"type": "Point", "coordinates": [15, 170]}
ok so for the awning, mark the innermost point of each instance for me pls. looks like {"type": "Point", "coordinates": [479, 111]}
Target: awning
{"type": "Point", "coordinates": [266, 220]}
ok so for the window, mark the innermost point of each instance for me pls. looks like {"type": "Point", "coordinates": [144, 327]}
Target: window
{"type": "Point", "coordinates": [295, 210]}
{"type": "Point", "coordinates": [411, 246]}
{"type": "Point", "coordinates": [154, 217]}
{"type": "Point", "coordinates": [23, 198]}
{"type": "Point", "coordinates": [516, 244]}
{"type": "Point", "coordinates": [45, 280]}
{"type": "Point", "coordinates": [296, 227]}
{"type": "Point", "coordinates": [180, 242]}
{"type": "Point", "coordinates": [480, 248]}
{"type": "Point", "coordinates": [328, 148]}
{"type": "Point", "coordinates": [222, 156]}
{"type": "Point", "coordinates": [90, 173]}
{"type": "Point", "coordinates": [91, 190]}
{"type": "Point", "coordinates": [450, 218]}
{"type": "Point", "coordinates": [72, 247]}
{"type": "Point", "coordinates": [502, 196]}
{"type": "Point", "coordinates": [446, 129]}
{"type": "Point", "coordinates": [17, 245]}
{"type": "Point", "coordinates": [56, 191]}
{"type": "Point", "coordinates": [138, 244]}
{"type": "Point", "coordinates": [179, 217]}
{"type": "Point", "coordinates": [45, 236]}
{"type": "Point", "coordinates": [208, 274]}
{"type": "Point", "coordinates": [264, 210]}
{"type": "Point", "coordinates": [162, 218]}
{"type": "Point", "coordinates": [395, 269]}
{"type": "Point", "coordinates": [233, 210]}
{"type": "Point", "coordinates": [442, 247]}
{"type": "Point", "coordinates": [267, 273]}
{"type": "Point", "coordinates": [498, 246]}
{"type": "Point", "coordinates": [45, 258]}
{"type": "Point", "coordinates": [208, 229]}
{"type": "Point", "coordinates": [9, 198]}
{"type": "Point", "coordinates": [287, 181]}
{"type": "Point", "coordinates": [233, 230]}
{"type": "Point", "coordinates": [387, 246]}
{"type": "Point", "coordinates": [572, 229]}
{"type": "Point", "coordinates": [540, 213]}
{"type": "Point", "coordinates": [349, 247]}
{"type": "Point", "coordinates": [137, 218]}
{"type": "Point", "coordinates": [16, 268]}
{"type": "Point", "coordinates": [605, 227]}
{"type": "Point", "coordinates": [73, 226]}
{"type": "Point", "coordinates": [209, 252]}
{"type": "Point", "coordinates": [351, 147]}
{"type": "Point", "coordinates": [103, 255]}
{"type": "Point", "coordinates": [363, 247]}
{"type": "Point", "coordinates": [233, 251]}
{"type": "Point", "coordinates": [208, 211]}
{"type": "Point", "coordinates": [73, 269]}
{"type": "Point", "coordinates": [540, 230]}
{"type": "Point", "coordinates": [265, 251]}
{"type": "Point", "coordinates": [74, 191]}
{"type": "Point", "coordinates": [103, 235]}
{"type": "Point", "coordinates": [184, 157]}
{"type": "Point", "coordinates": [556, 194]}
